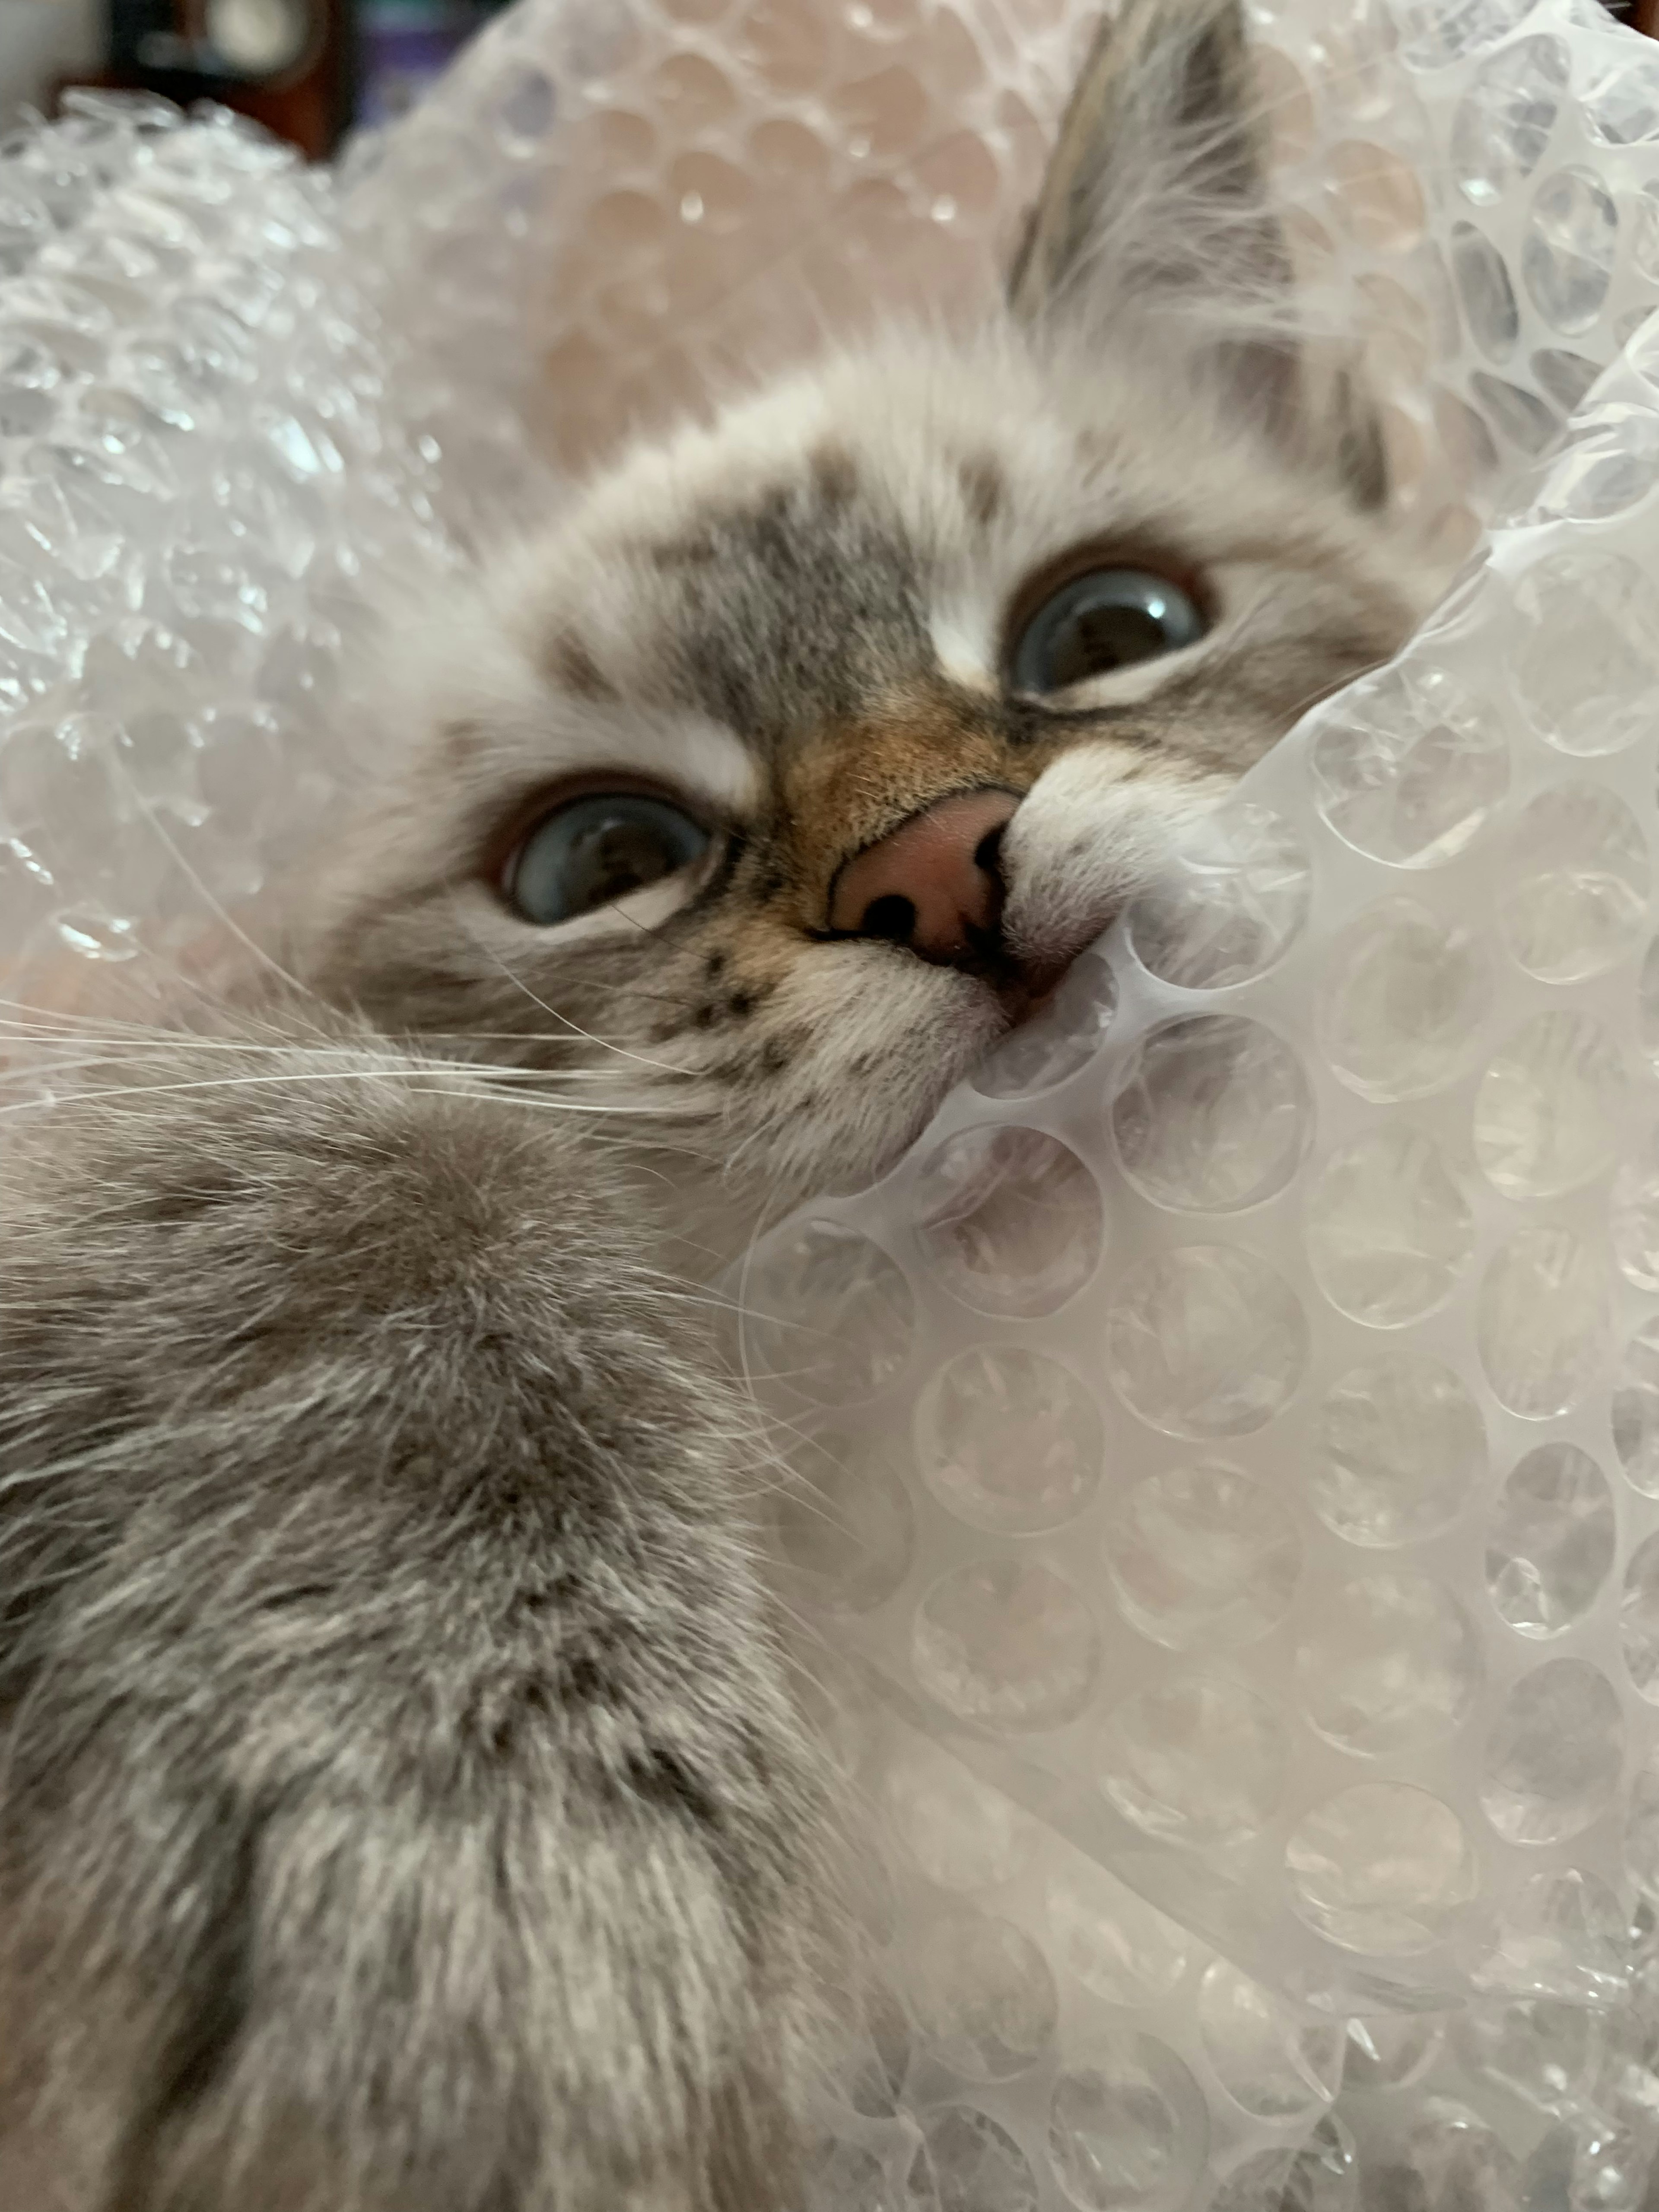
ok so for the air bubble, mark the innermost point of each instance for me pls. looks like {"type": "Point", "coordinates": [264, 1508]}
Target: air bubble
{"type": "Point", "coordinates": [1538, 2050]}
{"type": "Point", "coordinates": [1636, 1216]}
{"type": "Point", "coordinates": [1455, 2160]}
{"type": "Point", "coordinates": [1504, 122]}
{"type": "Point", "coordinates": [1379, 196]}
{"type": "Point", "coordinates": [693, 92]}
{"type": "Point", "coordinates": [1321, 2175]}
{"type": "Point", "coordinates": [1641, 1837]}
{"type": "Point", "coordinates": [844, 1521]}
{"type": "Point", "coordinates": [1550, 1539]}
{"type": "Point", "coordinates": [962, 1834]}
{"type": "Point", "coordinates": [1010, 1440]}
{"type": "Point", "coordinates": [1279, 2064]}
{"type": "Point", "coordinates": [1010, 1219]}
{"type": "Point", "coordinates": [1387, 1663]}
{"type": "Point", "coordinates": [787, 156]}
{"type": "Point", "coordinates": [1007, 1643]}
{"type": "Point", "coordinates": [1521, 415]}
{"type": "Point", "coordinates": [966, 2163]}
{"type": "Point", "coordinates": [1553, 1755]}
{"type": "Point", "coordinates": [1355, 58]}
{"type": "Point", "coordinates": [1065, 1036]}
{"type": "Point", "coordinates": [717, 192]}
{"type": "Point", "coordinates": [628, 225]}
{"type": "Point", "coordinates": [1644, 230]}
{"type": "Point", "coordinates": [826, 1314]}
{"type": "Point", "coordinates": [788, 47]}
{"type": "Point", "coordinates": [1129, 2132]}
{"type": "Point", "coordinates": [876, 2089]}
{"type": "Point", "coordinates": [1465, 441]}
{"type": "Point", "coordinates": [524, 110]}
{"type": "Point", "coordinates": [1280, 95]}
{"type": "Point", "coordinates": [1435, 32]}
{"type": "Point", "coordinates": [1396, 332]}
{"type": "Point", "coordinates": [1405, 995]}
{"type": "Point", "coordinates": [1566, 377]}
{"type": "Point", "coordinates": [1211, 1114]}
{"type": "Point", "coordinates": [1635, 1411]}
{"type": "Point", "coordinates": [1231, 906]}
{"type": "Point", "coordinates": [982, 1996]}
{"type": "Point", "coordinates": [1483, 287]}
{"type": "Point", "coordinates": [1566, 261]}
{"type": "Point", "coordinates": [1205, 1341]}
{"type": "Point", "coordinates": [1638, 1619]}
{"type": "Point", "coordinates": [1542, 1321]}
{"type": "Point", "coordinates": [1121, 1949]}
{"type": "Point", "coordinates": [1382, 1867]}
{"type": "Point", "coordinates": [1389, 1229]}
{"type": "Point", "coordinates": [1620, 107]}
{"type": "Point", "coordinates": [1579, 883]}
{"type": "Point", "coordinates": [1585, 669]}
{"type": "Point", "coordinates": [839, 2173]}
{"type": "Point", "coordinates": [1407, 766]}
{"type": "Point", "coordinates": [1608, 464]}
{"type": "Point", "coordinates": [1560, 1934]}
{"type": "Point", "coordinates": [1548, 1110]}
{"type": "Point", "coordinates": [1200, 1759]}
{"type": "Point", "coordinates": [1200, 1555]}
{"type": "Point", "coordinates": [1400, 1446]}
{"type": "Point", "coordinates": [1384, 2053]}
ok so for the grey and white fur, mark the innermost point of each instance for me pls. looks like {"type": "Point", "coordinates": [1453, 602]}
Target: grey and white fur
{"type": "Point", "coordinates": [404, 1803]}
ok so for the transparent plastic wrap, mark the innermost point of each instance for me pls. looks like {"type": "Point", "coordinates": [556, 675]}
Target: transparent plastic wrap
{"type": "Point", "coordinates": [1225, 1475]}
{"type": "Point", "coordinates": [1225, 1454]}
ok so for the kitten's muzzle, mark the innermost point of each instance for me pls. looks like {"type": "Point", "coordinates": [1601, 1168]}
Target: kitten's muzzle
{"type": "Point", "coordinates": [933, 885]}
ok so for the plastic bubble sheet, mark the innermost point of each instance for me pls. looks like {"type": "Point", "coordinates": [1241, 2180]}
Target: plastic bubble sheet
{"type": "Point", "coordinates": [1224, 1456]}
{"type": "Point", "coordinates": [196, 473]}
{"type": "Point", "coordinates": [1226, 1452]}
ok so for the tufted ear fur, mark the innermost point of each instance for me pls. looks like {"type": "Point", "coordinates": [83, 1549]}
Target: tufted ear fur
{"type": "Point", "coordinates": [1154, 228]}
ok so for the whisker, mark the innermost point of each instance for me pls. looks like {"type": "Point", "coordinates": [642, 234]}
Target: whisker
{"type": "Point", "coordinates": [553, 1012]}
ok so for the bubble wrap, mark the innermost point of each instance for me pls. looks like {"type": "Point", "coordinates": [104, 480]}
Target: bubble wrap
{"type": "Point", "coordinates": [1228, 1459]}
{"type": "Point", "coordinates": [1225, 1453]}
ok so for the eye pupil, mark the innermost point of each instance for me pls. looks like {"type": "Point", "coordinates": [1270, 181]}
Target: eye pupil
{"type": "Point", "coordinates": [595, 850]}
{"type": "Point", "coordinates": [1107, 619]}
{"type": "Point", "coordinates": [617, 858]}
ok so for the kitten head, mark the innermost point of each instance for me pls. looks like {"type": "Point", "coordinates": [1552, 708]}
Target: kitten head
{"type": "Point", "coordinates": [794, 763]}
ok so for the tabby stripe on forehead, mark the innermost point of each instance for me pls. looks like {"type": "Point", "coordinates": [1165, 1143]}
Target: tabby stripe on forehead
{"type": "Point", "coordinates": [834, 473]}
{"type": "Point", "coordinates": [574, 668]}
{"type": "Point", "coordinates": [984, 489]}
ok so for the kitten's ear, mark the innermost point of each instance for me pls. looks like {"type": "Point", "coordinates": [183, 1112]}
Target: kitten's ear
{"type": "Point", "coordinates": [1154, 212]}
{"type": "Point", "coordinates": [1163, 100]}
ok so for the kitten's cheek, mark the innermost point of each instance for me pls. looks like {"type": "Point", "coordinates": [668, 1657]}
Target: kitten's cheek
{"type": "Point", "coordinates": [1085, 842]}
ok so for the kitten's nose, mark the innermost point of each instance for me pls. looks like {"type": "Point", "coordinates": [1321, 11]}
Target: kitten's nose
{"type": "Point", "coordinates": [933, 882]}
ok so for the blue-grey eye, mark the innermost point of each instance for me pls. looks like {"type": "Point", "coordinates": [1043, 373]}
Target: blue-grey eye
{"type": "Point", "coordinates": [1108, 618]}
{"type": "Point", "coordinates": [593, 850]}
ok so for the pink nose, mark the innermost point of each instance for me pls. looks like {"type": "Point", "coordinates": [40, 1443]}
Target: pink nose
{"type": "Point", "coordinates": [932, 883]}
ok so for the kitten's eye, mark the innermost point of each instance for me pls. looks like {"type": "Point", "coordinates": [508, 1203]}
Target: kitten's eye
{"type": "Point", "coordinates": [1107, 619]}
{"type": "Point", "coordinates": [597, 848]}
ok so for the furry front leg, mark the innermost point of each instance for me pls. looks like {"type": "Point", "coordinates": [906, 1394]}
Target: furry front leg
{"type": "Point", "coordinates": [403, 1809]}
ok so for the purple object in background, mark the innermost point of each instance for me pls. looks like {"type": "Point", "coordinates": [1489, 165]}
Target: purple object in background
{"type": "Point", "coordinates": [404, 45]}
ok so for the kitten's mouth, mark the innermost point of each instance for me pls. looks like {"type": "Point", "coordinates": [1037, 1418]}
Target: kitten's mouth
{"type": "Point", "coordinates": [1025, 988]}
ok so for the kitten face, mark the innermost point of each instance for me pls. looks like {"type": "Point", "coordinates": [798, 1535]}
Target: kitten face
{"type": "Point", "coordinates": [802, 628]}
{"type": "Point", "coordinates": [796, 627]}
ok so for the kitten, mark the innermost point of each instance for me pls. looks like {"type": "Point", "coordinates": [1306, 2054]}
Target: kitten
{"type": "Point", "coordinates": [405, 1806]}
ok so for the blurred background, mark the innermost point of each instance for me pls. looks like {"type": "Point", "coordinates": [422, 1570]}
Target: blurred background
{"type": "Point", "coordinates": [310, 70]}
